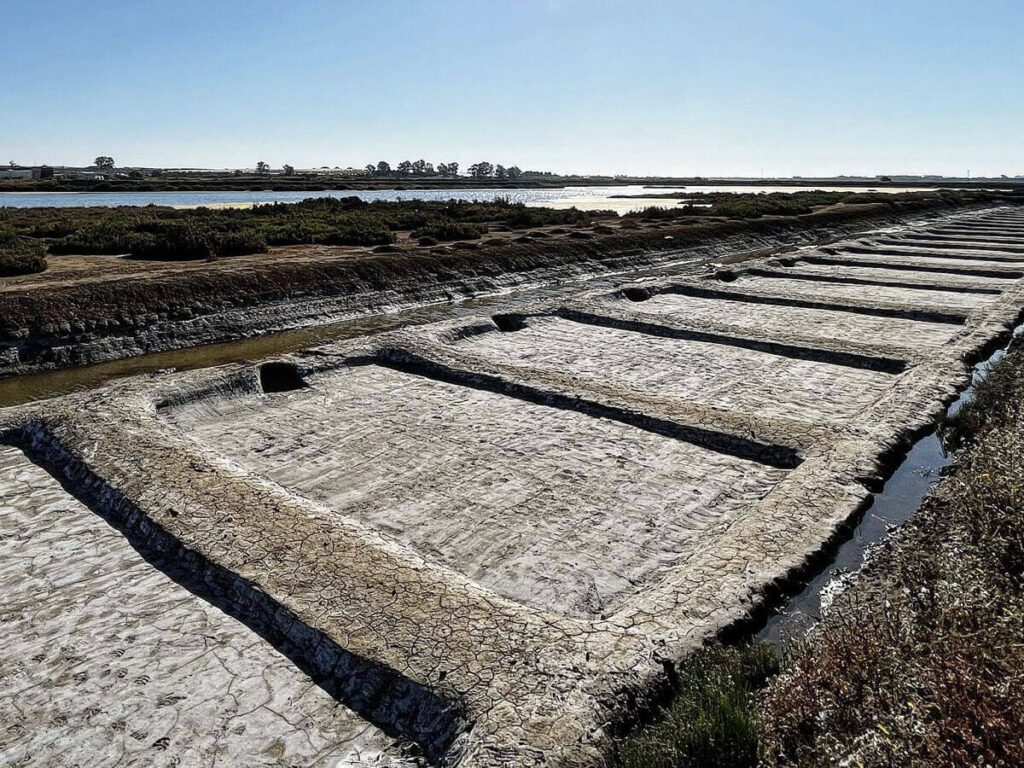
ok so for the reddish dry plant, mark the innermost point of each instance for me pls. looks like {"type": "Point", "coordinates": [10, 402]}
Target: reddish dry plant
{"type": "Point", "coordinates": [921, 663]}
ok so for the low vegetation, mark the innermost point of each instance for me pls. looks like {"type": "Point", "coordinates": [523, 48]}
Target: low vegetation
{"type": "Point", "coordinates": [712, 722]}
{"type": "Point", "coordinates": [167, 234]}
{"type": "Point", "coordinates": [752, 206]}
{"type": "Point", "coordinates": [106, 304]}
{"type": "Point", "coordinates": [161, 233]}
{"type": "Point", "coordinates": [20, 255]}
{"type": "Point", "coordinates": [921, 663]}
{"type": "Point", "coordinates": [449, 230]}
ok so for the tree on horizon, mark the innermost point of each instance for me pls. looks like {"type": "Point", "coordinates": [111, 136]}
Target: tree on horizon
{"type": "Point", "coordinates": [481, 170]}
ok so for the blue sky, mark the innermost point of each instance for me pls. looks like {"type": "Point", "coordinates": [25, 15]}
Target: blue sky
{"type": "Point", "coordinates": [676, 87]}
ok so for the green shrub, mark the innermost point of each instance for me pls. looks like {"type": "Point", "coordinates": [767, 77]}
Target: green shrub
{"type": "Point", "coordinates": [296, 232]}
{"type": "Point", "coordinates": [658, 213]}
{"type": "Point", "coordinates": [360, 233]}
{"type": "Point", "coordinates": [712, 722]}
{"type": "Point", "coordinates": [176, 242]}
{"type": "Point", "coordinates": [239, 243]}
{"type": "Point", "coordinates": [105, 237]}
{"type": "Point", "coordinates": [445, 229]}
{"type": "Point", "coordinates": [20, 255]}
{"type": "Point", "coordinates": [755, 206]}
{"type": "Point", "coordinates": [189, 241]}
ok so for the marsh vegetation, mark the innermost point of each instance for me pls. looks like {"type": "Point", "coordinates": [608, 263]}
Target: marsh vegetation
{"type": "Point", "coordinates": [20, 255]}
{"type": "Point", "coordinates": [169, 234]}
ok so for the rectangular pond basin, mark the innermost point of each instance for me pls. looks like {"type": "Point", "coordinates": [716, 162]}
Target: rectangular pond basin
{"type": "Point", "coordinates": [892, 254]}
{"type": "Point", "coordinates": [780, 321]}
{"type": "Point", "coordinates": [550, 507]}
{"type": "Point", "coordinates": [707, 373]}
{"type": "Point", "coordinates": [911, 298]}
{"type": "Point", "coordinates": [906, 271]}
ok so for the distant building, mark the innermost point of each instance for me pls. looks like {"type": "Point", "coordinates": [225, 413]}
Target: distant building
{"type": "Point", "coordinates": [76, 173]}
{"type": "Point", "coordinates": [19, 172]}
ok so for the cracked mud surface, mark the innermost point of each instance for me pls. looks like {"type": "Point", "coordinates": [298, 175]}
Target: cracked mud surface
{"type": "Point", "coordinates": [107, 662]}
{"type": "Point", "coordinates": [555, 509]}
{"type": "Point", "coordinates": [713, 374]}
{"type": "Point", "coordinates": [909, 275]}
{"type": "Point", "coordinates": [938, 258]}
{"type": "Point", "coordinates": [914, 297]}
{"type": "Point", "coordinates": [823, 323]}
{"type": "Point", "coordinates": [493, 534]}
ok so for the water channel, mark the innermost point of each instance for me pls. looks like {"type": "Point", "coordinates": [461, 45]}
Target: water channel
{"type": "Point", "coordinates": [583, 197]}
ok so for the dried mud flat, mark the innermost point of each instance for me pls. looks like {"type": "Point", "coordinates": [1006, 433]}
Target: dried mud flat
{"type": "Point", "coordinates": [487, 541]}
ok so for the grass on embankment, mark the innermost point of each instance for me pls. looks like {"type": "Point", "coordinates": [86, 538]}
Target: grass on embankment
{"type": "Point", "coordinates": [168, 234]}
{"type": "Point", "coordinates": [919, 663]}
{"type": "Point", "coordinates": [711, 723]}
{"type": "Point", "coordinates": [752, 206]}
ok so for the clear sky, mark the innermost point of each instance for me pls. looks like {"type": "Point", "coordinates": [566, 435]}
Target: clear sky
{"type": "Point", "coordinates": [676, 87]}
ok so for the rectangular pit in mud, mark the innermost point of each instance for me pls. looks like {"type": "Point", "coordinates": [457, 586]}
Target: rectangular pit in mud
{"type": "Point", "coordinates": [839, 292]}
{"type": "Point", "coordinates": [549, 507]}
{"type": "Point", "coordinates": [1001, 246]}
{"type": "Point", "coordinates": [106, 661]}
{"type": "Point", "coordinates": [707, 373]}
{"type": "Point", "coordinates": [971, 279]}
{"type": "Point", "coordinates": [780, 320]}
{"type": "Point", "coordinates": [911, 255]}
{"type": "Point", "coordinates": [934, 256]}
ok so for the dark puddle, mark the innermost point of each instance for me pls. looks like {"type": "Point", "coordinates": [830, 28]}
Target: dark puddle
{"type": "Point", "coordinates": [899, 499]}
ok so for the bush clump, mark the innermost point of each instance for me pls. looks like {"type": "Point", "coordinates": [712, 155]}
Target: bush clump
{"type": "Point", "coordinates": [190, 241]}
{"type": "Point", "coordinates": [341, 230]}
{"type": "Point", "coordinates": [20, 255]}
{"type": "Point", "coordinates": [103, 238]}
{"type": "Point", "coordinates": [360, 233]}
{"type": "Point", "coordinates": [446, 230]}
{"type": "Point", "coordinates": [755, 206]}
{"type": "Point", "coordinates": [712, 723]}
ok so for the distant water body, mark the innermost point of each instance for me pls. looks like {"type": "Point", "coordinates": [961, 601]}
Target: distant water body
{"type": "Point", "coordinates": [583, 197]}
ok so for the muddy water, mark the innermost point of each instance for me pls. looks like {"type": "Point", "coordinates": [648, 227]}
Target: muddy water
{"type": "Point", "coordinates": [23, 389]}
{"type": "Point", "coordinates": [900, 497]}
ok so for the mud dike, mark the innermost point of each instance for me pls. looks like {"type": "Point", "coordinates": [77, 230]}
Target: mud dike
{"type": "Point", "coordinates": [473, 543]}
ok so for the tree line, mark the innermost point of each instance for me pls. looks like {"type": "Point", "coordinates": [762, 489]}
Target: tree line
{"type": "Point", "coordinates": [480, 170]}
